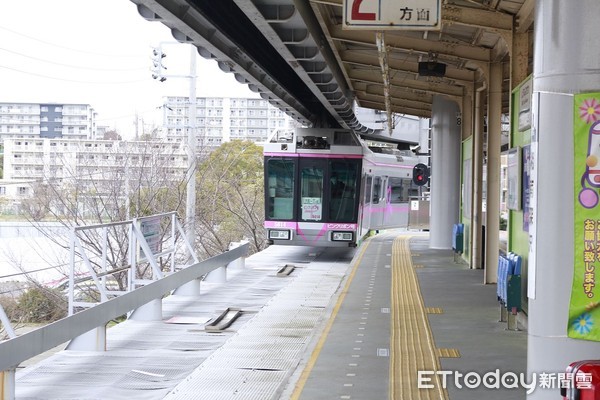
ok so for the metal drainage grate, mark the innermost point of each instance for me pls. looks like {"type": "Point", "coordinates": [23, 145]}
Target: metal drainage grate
{"type": "Point", "coordinates": [286, 270]}
{"type": "Point", "coordinates": [224, 320]}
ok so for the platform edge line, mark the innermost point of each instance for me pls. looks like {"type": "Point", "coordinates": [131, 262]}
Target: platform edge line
{"type": "Point", "coordinates": [317, 350]}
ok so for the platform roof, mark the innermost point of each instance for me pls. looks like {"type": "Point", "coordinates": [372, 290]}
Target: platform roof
{"type": "Point", "coordinates": [300, 57]}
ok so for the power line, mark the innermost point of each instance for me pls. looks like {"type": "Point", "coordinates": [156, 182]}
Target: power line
{"type": "Point", "coordinates": [71, 49]}
{"type": "Point", "coordinates": [74, 80]}
{"type": "Point", "coordinates": [74, 66]}
{"type": "Point", "coordinates": [30, 272]}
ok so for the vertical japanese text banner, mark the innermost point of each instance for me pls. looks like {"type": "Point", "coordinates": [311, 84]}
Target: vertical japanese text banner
{"type": "Point", "coordinates": [584, 310]}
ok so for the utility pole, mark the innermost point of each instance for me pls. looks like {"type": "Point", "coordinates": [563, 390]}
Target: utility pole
{"type": "Point", "coordinates": [190, 211]}
{"type": "Point", "coordinates": [192, 141]}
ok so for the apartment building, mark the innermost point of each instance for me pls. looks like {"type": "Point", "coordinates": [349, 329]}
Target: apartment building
{"type": "Point", "coordinates": [47, 120]}
{"type": "Point", "coordinates": [221, 119]}
{"type": "Point", "coordinates": [87, 163]}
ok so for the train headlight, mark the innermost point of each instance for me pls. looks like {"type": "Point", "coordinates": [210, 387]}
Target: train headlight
{"type": "Point", "coordinates": [342, 236]}
{"type": "Point", "coordinates": [279, 234]}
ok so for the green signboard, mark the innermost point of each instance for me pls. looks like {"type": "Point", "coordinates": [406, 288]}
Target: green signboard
{"type": "Point", "coordinates": [584, 309]}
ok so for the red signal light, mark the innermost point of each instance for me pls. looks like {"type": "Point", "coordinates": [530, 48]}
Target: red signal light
{"type": "Point", "coordinates": [420, 174]}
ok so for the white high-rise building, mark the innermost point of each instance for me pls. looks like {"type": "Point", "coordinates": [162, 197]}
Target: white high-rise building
{"type": "Point", "coordinates": [47, 120]}
{"type": "Point", "coordinates": [86, 163]}
{"type": "Point", "coordinates": [221, 119]}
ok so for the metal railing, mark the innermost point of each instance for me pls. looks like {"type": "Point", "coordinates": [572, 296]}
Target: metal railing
{"type": "Point", "coordinates": [16, 350]}
{"type": "Point", "coordinates": [148, 238]}
{"type": "Point", "coordinates": [91, 322]}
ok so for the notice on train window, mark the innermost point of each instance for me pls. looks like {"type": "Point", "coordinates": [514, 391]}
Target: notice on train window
{"type": "Point", "coordinates": [312, 209]}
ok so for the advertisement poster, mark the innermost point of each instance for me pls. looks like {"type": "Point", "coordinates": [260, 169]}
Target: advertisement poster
{"type": "Point", "coordinates": [514, 179]}
{"type": "Point", "coordinates": [526, 185]}
{"type": "Point", "coordinates": [150, 228]}
{"type": "Point", "coordinates": [533, 199]}
{"type": "Point", "coordinates": [584, 310]}
{"type": "Point", "coordinates": [525, 106]}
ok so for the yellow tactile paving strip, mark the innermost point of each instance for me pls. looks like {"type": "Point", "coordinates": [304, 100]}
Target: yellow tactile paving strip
{"type": "Point", "coordinates": [412, 345]}
{"type": "Point", "coordinates": [448, 353]}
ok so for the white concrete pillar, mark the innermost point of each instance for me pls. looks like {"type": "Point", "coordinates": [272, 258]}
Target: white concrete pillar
{"type": "Point", "coordinates": [445, 172]}
{"type": "Point", "coordinates": [192, 288]}
{"type": "Point", "coordinates": [218, 275]}
{"type": "Point", "coordinates": [239, 263]}
{"type": "Point", "coordinates": [94, 340]}
{"type": "Point", "coordinates": [566, 62]}
{"type": "Point", "coordinates": [151, 311]}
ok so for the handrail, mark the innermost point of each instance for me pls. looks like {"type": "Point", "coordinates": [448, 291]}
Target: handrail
{"type": "Point", "coordinates": [16, 350]}
{"type": "Point", "coordinates": [117, 223]}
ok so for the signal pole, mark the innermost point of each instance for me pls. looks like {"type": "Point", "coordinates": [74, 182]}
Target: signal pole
{"type": "Point", "coordinates": [192, 141]}
{"type": "Point", "coordinates": [190, 204]}
{"type": "Point", "coordinates": [157, 66]}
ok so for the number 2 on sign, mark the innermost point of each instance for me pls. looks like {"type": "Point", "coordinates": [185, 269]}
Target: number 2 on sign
{"type": "Point", "coordinates": [357, 15]}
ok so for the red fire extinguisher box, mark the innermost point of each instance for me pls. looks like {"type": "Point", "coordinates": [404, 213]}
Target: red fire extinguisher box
{"type": "Point", "coordinates": [582, 381]}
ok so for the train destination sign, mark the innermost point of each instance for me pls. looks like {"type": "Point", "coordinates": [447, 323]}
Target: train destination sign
{"type": "Point", "coordinates": [392, 14]}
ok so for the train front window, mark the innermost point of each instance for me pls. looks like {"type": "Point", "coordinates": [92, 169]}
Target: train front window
{"type": "Point", "coordinates": [280, 198]}
{"type": "Point", "coordinates": [344, 180]}
{"type": "Point", "coordinates": [311, 194]}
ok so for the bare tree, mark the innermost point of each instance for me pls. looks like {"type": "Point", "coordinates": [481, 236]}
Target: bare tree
{"type": "Point", "coordinates": [104, 182]}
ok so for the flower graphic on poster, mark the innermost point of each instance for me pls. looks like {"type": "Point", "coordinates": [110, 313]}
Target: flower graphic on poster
{"type": "Point", "coordinates": [590, 179]}
{"type": "Point", "coordinates": [589, 110]}
{"type": "Point", "coordinates": [592, 305]}
{"type": "Point", "coordinates": [583, 324]}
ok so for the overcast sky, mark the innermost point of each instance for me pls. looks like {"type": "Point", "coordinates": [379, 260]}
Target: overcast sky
{"type": "Point", "coordinates": [97, 52]}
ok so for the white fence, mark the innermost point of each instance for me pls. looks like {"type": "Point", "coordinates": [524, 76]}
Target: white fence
{"type": "Point", "coordinates": [86, 330]}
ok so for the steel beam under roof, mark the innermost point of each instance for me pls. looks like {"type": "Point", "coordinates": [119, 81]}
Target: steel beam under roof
{"type": "Point", "coordinates": [297, 56]}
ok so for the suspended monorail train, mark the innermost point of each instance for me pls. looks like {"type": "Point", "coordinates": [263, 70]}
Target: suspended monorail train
{"type": "Point", "coordinates": [330, 187]}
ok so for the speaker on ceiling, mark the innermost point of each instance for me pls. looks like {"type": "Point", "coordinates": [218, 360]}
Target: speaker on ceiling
{"type": "Point", "coordinates": [432, 68]}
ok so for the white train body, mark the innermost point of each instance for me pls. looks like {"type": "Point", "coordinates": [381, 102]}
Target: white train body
{"type": "Point", "coordinates": [329, 187]}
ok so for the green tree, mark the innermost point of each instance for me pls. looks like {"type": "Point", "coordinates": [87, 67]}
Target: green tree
{"type": "Point", "coordinates": [230, 200]}
{"type": "Point", "coordinates": [41, 304]}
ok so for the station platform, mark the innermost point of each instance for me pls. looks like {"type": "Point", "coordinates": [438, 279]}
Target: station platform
{"type": "Point", "coordinates": [407, 308]}
{"type": "Point", "coordinates": [344, 324]}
